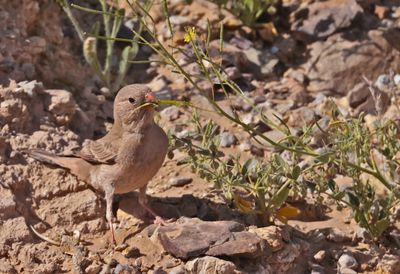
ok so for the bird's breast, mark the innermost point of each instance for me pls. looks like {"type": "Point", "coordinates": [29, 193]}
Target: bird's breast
{"type": "Point", "coordinates": [141, 160]}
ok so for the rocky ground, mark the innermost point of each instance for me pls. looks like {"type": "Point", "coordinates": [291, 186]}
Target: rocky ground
{"type": "Point", "coordinates": [49, 99]}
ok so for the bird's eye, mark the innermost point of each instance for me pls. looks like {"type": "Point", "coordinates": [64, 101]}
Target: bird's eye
{"type": "Point", "coordinates": [131, 100]}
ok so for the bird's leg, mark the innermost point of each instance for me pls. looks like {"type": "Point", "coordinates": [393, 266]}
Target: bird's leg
{"type": "Point", "coordinates": [144, 203]}
{"type": "Point", "coordinates": [109, 196]}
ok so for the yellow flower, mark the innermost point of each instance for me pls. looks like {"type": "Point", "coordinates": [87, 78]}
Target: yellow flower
{"type": "Point", "coordinates": [242, 204]}
{"type": "Point", "coordinates": [286, 213]}
{"type": "Point", "coordinates": [190, 35]}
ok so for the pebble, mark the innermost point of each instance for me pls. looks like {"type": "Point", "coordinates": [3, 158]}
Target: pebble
{"type": "Point", "coordinates": [382, 82]}
{"type": "Point", "coordinates": [178, 270]}
{"type": "Point", "coordinates": [245, 146]}
{"type": "Point", "coordinates": [121, 247]}
{"type": "Point", "coordinates": [396, 79]}
{"type": "Point", "coordinates": [347, 271]}
{"type": "Point", "coordinates": [131, 252]}
{"type": "Point", "coordinates": [338, 236]}
{"type": "Point", "coordinates": [320, 256]}
{"type": "Point", "coordinates": [171, 113]}
{"type": "Point", "coordinates": [179, 181]}
{"type": "Point", "coordinates": [228, 139]}
{"type": "Point", "coordinates": [347, 261]}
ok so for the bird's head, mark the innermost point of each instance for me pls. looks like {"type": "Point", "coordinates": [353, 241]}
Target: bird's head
{"type": "Point", "coordinates": [134, 106]}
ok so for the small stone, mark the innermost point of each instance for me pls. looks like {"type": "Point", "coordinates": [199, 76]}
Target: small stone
{"type": "Point", "coordinates": [179, 181]}
{"type": "Point", "coordinates": [121, 247]}
{"type": "Point", "coordinates": [131, 252]}
{"type": "Point", "coordinates": [171, 113]}
{"type": "Point", "coordinates": [320, 256]}
{"type": "Point", "coordinates": [381, 11]}
{"type": "Point", "coordinates": [245, 146]}
{"type": "Point", "coordinates": [228, 139]}
{"type": "Point", "coordinates": [125, 269]}
{"type": "Point", "coordinates": [358, 94]}
{"type": "Point", "coordinates": [301, 116]}
{"type": "Point", "coordinates": [338, 236]}
{"type": "Point", "coordinates": [362, 233]}
{"type": "Point", "coordinates": [178, 270]}
{"type": "Point", "coordinates": [210, 264]}
{"type": "Point", "coordinates": [347, 261]}
{"type": "Point", "coordinates": [260, 99]}
{"type": "Point", "coordinates": [93, 269]}
{"type": "Point", "coordinates": [396, 79]}
{"type": "Point", "coordinates": [240, 104]}
{"type": "Point", "coordinates": [347, 271]}
{"type": "Point", "coordinates": [382, 82]}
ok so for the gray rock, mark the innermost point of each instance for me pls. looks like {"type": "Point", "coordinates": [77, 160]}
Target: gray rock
{"type": "Point", "coordinates": [358, 94]}
{"type": "Point", "coordinates": [320, 256]}
{"type": "Point", "coordinates": [179, 181]}
{"type": "Point", "coordinates": [383, 82]}
{"type": "Point", "coordinates": [347, 271]}
{"type": "Point", "coordinates": [93, 269]}
{"type": "Point", "coordinates": [188, 238]}
{"type": "Point", "coordinates": [337, 63]}
{"type": "Point", "coordinates": [240, 104]}
{"type": "Point", "coordinates": [396, 79]}
{"type": "Point", "coordinates": [362, 233]}
{"type": "Point", "coordinates": [321, 19]}
{"type": "Point", "coordinates": [264, 62]}
{"type": "Point", "coordinates": [338, 236]}
{"type": "Point", "coordinates": [171, 113]}
{"type": "Point", "coordinates": [228, 139]}
{"type": "Point", "coordinates": [301, 116]}
{"type": "Point", "coordinates": [123, 268]}
{"type": "Point", "coordinates": [180, 269]}
{"type": "Point", "coordinates": [210, 265]}
{"type": "Point", "coordinates": [242, 244]}
{"type": "Point", "coordinates": [347, 261]}
{"type": "Point", "coordinates": [260, 99]}
{"type": "Point", "coordinates": [389, 264]}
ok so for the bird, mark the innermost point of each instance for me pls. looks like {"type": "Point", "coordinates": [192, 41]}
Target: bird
{"type": "Point", "coordinates": [126, 158]}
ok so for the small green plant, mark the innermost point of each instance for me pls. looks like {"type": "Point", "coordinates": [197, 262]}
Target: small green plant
{"type": "Point", "coordinates": [112, 19]}
{"type": "Point", "coordinates": [369, 156]}
{"type": "Point", "coordinates": [249, 11]}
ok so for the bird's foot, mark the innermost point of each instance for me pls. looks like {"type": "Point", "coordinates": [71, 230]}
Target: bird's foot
{"type": "Point", "coordinates": [160, 221]}
{"type": "Point", "coordinates": [112, 230]}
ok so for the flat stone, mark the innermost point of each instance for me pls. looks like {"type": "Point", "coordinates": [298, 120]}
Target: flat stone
{"type": "Point", "coordinates": [347, 261]}
{"type": "Point", "coordinates": [339, 62]}
{"type": "Point", "coordinates": [188, 238]}
{"type": "Point", "coordinates": [179, 181]}
{"type": "Point", "coordinates": [338, 236]}
{"type": "Point", "coordinates": [228, 139]}
{"type": "Point", "coordinates": [241, 244]}
{"type": "Point", "coordinates": [210, 265]}
{"type": "Point", "coordinates": [321, 19]}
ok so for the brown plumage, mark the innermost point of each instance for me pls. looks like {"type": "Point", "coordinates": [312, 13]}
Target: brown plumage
{"type": "Point", "coordinates": [127, 157]}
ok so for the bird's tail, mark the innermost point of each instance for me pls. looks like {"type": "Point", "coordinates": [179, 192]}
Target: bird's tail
{"type": "Point", "coordinates": [44, 156]}
{"type": "Point", "coordinates": [76, 166]}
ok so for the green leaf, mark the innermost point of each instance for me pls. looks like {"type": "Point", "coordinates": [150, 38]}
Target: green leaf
{"type": "Point", "coordinates": [280, 196]}
{"type": "Point", "coordinates": [323, 158]}
{"type": "Point", "coordinates": [380, 226]}
{"type": "Point", "coordinates": [296, 172]}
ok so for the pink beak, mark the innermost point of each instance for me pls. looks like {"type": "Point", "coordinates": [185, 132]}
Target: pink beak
{"type": "Point", "coordinates": [150, 97]}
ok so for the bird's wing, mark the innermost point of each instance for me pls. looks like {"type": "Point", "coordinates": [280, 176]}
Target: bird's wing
{"type": "Point", "coordinates": [100, 152]}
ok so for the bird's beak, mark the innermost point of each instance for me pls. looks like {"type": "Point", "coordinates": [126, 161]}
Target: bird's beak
{"type": "Point", "coordinates": [150, 97]}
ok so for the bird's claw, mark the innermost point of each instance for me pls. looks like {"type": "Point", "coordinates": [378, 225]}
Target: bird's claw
{"type": "Point", "coordinates": [160, 221]}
